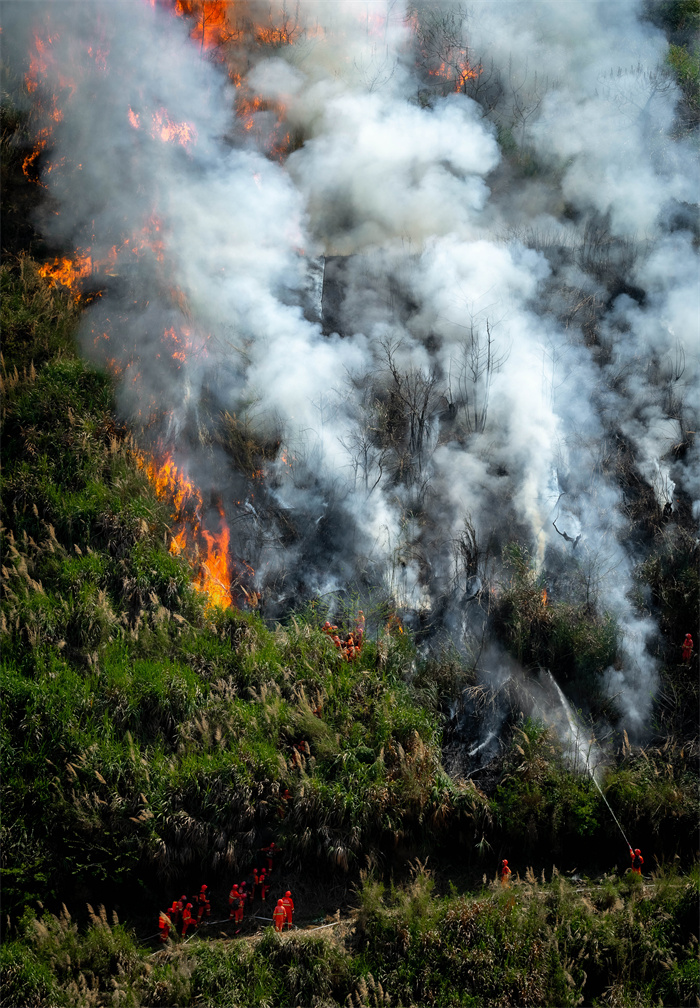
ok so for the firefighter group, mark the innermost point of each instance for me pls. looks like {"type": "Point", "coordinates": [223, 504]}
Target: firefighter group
{"type": "Point", "coordinates": [349, 645]}
{"type": "Point", "coordinates": [187, 915]}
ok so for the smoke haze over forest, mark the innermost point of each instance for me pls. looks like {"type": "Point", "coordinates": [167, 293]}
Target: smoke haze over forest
{"type": "Point", "coordinates": [438, 260]}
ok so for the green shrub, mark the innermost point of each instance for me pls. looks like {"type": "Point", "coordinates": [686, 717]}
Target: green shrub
{"type": "Point", "coordinates": [25, 980]}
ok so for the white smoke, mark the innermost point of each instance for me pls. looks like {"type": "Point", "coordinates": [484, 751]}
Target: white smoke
{"type": "Point", "coordinates": [487, 301]}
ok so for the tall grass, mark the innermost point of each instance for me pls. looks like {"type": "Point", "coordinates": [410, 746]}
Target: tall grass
{"type": "Point", "coordinates": [544, 941]}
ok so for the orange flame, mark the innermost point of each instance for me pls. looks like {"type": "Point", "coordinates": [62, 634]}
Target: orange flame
{"type": "Point", "coordinates": [41, 59]}
{"type": "Point", "coordinates": [169, 131]}
{"type": "Point", "coordinates": [544, 596]}
{"type": "Point", "coordinates": [164, 128]}
{"type": "Point", "coordinates": [212, 575]}
{"type": "Point", "coordinates": [29, 167]}
{"type": "Point", "coordinates": [276, 36]}
{"type": "Point", "coordinates": [211, 26]}
{"type": "Point", "coordinates": [458, 74]}
{"type": "Point", "coordinates": [214, 579]}
{"type": "Point", "coordinates": [68, 272]}
{"type": "Point", "coordinates": [393, 625]}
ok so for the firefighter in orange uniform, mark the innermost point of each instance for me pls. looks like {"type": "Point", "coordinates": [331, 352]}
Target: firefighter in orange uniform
{"type": "Point", "coordinates": [164, 924]}
{"type": "Point", "coordinates": [187, 919]}
{"type": "Point", "coordinates": [505, 873]}
{"type": "Point", "coordinates": [637, 861]}
{"type": "Point", "coordinates": [203, 905]}
{"type": "Point", "coordinates": [279, 915]}
{"type": "Point", "coordinates": [288, 904]}
{"type": "Point", "coordinates": [360, 629]}
{"type": "Point", "coordinates": [687, 649]}
{"type": "Point", "coordinates": [264, 884]}
{"type": "Point", "coordinates": [244, 894]}
{"type": "Point", "coordinates": [178, 910]}
{"type": "Point", "coordinates": [235, 902]}
{"type": "Point", "coordinates": [270, 853]}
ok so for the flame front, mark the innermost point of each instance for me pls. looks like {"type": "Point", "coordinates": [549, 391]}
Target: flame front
{"type": "Point", "coordinates": [209, 550]}
{"type": "Point", "coordinates": [69, 272]}
{"type": "Point", "coordinates": [214, 578]}
{"type": "Point", "coordinates": [211, 28]}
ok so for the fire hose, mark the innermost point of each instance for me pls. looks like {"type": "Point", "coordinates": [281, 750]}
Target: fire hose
{"type": "Point", "coordinates": [226, 920]}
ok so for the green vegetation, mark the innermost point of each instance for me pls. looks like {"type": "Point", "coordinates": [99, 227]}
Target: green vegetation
{"type": "Point", "coordinates": [537, 943]}
{"type": "Point", "coordinates": [612, 942]}
{"type": "Point", "coordinates": [572, 639]}
{"type": "Point", "coordinates": [143, 732]}
{"type": "Point", "coordinates": [147, 741]}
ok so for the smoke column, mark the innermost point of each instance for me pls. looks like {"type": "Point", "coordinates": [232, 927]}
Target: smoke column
{"type": "Point", "coordinates": [498, 328]}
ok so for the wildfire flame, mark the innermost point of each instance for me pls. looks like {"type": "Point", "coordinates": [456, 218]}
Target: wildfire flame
{"type": "Point", "coordinates": [458, 74]}
{"type": "Point", "coordinates": [214, 25]}
{"type": "Point", "coordinates": [170, 131]}
{"type": "Point", "coordinates": [214, 578]}
{"type": "Point", "coordinates": [164, 128]}
{"type": "Point", "coordinates": [393, 625]}
{"type": "Point", "coordinates": [71, 271]}
{"type": "Point", "coordinates": [211, 27]}
{"type": "Point", "coordinates": [212, 573]}
{"type": "Point", "coordinates": [68, 272]}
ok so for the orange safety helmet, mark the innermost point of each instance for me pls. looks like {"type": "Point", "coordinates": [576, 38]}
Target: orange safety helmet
{"type": "Point", "coordinates": [203, 888]}
{"type": "Point", "coordinates": [504, 862]}
{"type": "Point", "coordinates": [637, 850]}
{"type": "Point", "coordinates": [287, 893]}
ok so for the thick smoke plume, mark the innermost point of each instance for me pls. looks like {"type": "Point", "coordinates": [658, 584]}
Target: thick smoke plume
{"type": "Point", "coordinates": [437, 345]}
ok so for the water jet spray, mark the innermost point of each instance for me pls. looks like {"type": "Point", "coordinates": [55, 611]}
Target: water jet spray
{"type": "Point", "coordinates": [575, 730]}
